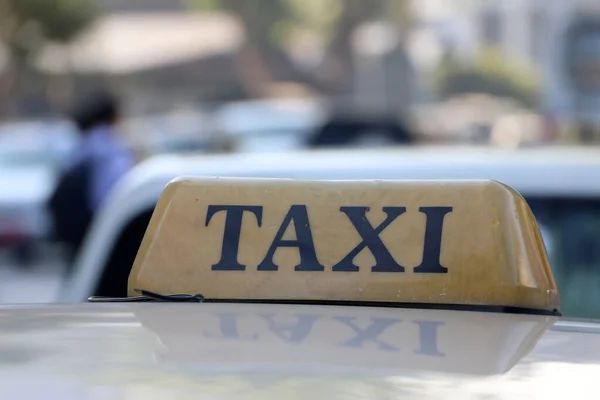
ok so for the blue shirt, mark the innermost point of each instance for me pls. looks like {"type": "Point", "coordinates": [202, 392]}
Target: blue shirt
{"type": "Point", "coordinates": [111, 159]}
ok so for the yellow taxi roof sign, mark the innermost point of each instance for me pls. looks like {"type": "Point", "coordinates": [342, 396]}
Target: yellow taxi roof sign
{"type": "Point", "coordinates": [469, 243]}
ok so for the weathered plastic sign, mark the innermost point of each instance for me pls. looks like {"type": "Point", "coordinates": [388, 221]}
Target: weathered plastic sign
{"type": "Point", "coordinates": [437, 242]}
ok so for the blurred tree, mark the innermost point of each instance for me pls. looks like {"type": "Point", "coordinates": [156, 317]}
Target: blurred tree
{"type": "Point", "coordinates": [492, 74]}
{"type": "Point", "coordinates": [272, 25]}
{"type": "Point", "coordinates": [402, 87]}
{"type": "Point", "coordinates": [26, 25]}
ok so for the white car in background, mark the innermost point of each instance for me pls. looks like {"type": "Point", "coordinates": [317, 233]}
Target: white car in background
{"type": "Point", "coordinates": [175, 132]}
{"type": "Point", "coordinates": [270, 125]}
{"type": "Point", "coordinates": [30, 157]}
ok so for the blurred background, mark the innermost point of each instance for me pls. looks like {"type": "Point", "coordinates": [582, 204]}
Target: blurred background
{"type": "Point", "coordinates": [214, 76]}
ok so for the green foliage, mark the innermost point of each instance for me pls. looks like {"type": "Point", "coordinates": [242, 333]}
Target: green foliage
{"type": "Point", "coordinates": [316, 16]}
{"type": "Point", "coordinates": [491, 74]}
{"type": "Point", "coordinates": [26, 24]}
{"type": "Point", "coordinates": [59, 20]}
{"type": "Point", "coordinates": [204, 5]}
{"type": "Point", "coordinates": [276, 21]}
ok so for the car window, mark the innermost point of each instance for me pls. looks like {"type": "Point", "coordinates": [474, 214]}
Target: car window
{"type": "Point", "coordinates": [571, 232]}
{"type": "Point", "coordinates": [115, 273]}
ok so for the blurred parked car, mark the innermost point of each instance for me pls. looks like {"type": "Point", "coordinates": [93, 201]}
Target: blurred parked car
{"type": "Point", "coordinates": [176, 132]}
{"type": "Point", "coordinates": [270, 125]}
{"type": "Point", "coordinates": [30, 158]}
{"type": "Point", "coordinates": [292, 124]}
{"type": "Point", "coordinates": [247, 126]}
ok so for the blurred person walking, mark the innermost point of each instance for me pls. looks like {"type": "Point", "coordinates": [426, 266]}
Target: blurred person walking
{"type": "Point", "coordinates": [97, 164]}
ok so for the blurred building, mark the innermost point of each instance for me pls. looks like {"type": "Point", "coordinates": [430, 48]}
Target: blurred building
{"type": "Point", "coordinates": [154, 59]}
{"type": "Point", "coordinates": [538, 33]}
{"type": "Point", "coordinates": [523, 29]}
{"type": "Point", "coordinates": [123, 6]}
{"type": "Point", "coordinates": [160, 56]}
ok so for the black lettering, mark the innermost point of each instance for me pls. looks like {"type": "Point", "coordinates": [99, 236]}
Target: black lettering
{"type": "Point", "coordinates": [231, 234]}
{"type": "Point", "coordinates": [370, 333]}
{"type": "Point", "coordinates": [229, 328]}
{"type": "Point", "coordinates": [432, 244]}
{"type": "Point", "coordinates": [304, 242]}
{"type": "Point", "coordinates": [428, 338]}
{"type": "Point", "coordinates": [384, 262]}
{"type": "Point", "coordinates": [291, 332]}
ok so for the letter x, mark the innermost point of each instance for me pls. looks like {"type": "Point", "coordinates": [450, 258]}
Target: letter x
{"type": "Point", "coordinates": [384, 262]}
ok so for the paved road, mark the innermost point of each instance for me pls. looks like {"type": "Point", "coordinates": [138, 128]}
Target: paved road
{"type": "Point", "coordinates": [37, 283]}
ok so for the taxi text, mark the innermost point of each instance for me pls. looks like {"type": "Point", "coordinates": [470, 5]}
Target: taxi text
{"type": "Point", "coordinates": [357, 215]}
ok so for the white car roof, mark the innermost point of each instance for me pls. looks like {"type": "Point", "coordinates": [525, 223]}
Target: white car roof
{"type": "Point", "coordinates": [548, 172]}
{"type": "Point", "coordinates": [265, 351]}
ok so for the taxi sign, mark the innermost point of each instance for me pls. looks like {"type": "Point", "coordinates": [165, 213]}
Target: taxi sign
{"type": "Point", "coordinates": [470, 243]}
